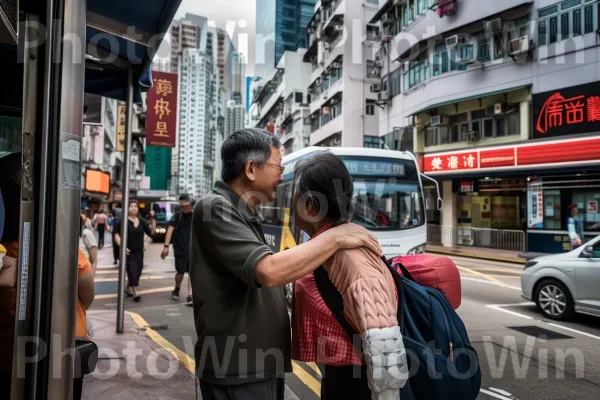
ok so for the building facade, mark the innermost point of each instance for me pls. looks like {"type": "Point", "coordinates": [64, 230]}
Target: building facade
{"type": "Point", "coordinates": [198, 115]}
{"type": "Point", "coordinates": [280, 103]}
{"type": "Point", "coordinates": [343, 111]}
{"type": "Point", "coordinates": [500, 102]}
{"type": "Point", "coordinates": [280, 27]}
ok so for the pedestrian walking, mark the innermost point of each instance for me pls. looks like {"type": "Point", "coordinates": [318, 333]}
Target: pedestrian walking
{"type": "Point", "coordinates": [575, 227]}
{"type": "Point", "coordinates": [240, 310]}
{"type": "Point", "coordinates": [179, 233]}
{"type": "Point", "coordinates": [134, 262]}
{"type": "Point", "coordinates": [100, 220]}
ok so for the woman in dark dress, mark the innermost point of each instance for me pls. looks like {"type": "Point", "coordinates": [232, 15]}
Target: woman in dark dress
{"type": "Point", "coordinates": [135, 246]}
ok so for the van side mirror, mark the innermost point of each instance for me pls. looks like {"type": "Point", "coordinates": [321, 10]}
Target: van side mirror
{"type": "Point", "coordinates": [588, 252]}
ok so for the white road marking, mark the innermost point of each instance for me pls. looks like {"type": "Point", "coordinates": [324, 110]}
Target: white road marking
{"type": "Point", "coordinates": [573, 330]}
{"type": "Point", "coordinates": [499, 308]}
{"type": "Point", "coordinates": [495, 395]}
{"type": "Point", "coordinates": [490, 283]}
{"type": "Point", "coordinates": [500, 391]}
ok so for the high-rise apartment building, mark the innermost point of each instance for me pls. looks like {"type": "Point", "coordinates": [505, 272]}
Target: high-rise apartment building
{"type": "Point", "coordinates": [225, 50]}
{"type": "Point", "coordinates": [280, 27]}
{"type": "Point", "coordinates": [500, 102]}
{"type": "Point", "coordinates": [235, 115]}
{"type": "Point", "coordinates": [343, 111]}
{"type": "Point", "coordinates": [194, 158]}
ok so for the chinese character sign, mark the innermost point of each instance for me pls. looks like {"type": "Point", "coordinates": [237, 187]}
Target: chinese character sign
{"type": "Point", "coordinates": [452, 162]}
{"type": "Point", "coordinates": [121, 115]}
{"type": "Point", "coordinates": [161, 120]}
{"type": "Point", "coordinates": [535, 205]}
{"type": "Point", "coordinates": [567, 111]}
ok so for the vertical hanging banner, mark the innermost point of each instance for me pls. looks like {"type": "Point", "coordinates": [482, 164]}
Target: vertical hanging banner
{"type": "Point", "coordinates": [121, 116]}
{"type": "Point", "coordinates": [535, 205]}
{"type": "Point", "coordinates": [161, 120]}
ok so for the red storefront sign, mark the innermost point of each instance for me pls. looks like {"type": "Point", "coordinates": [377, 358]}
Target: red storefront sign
{"type": "Point", "coordinates": [581, 150]}
{"type": "Point", "coordinates": [497, 158]}
{"type": "Point", "coordinates": [161, 120]}
{"type": "Point", "coordinates": [567, 111]}
{"type": "Point", "coordinates": [452, 162]}
{"type": "Point", "coordinates": [513, 157]}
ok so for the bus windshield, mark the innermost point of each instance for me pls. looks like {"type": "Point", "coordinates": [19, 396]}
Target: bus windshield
{"type": "Point", "coordinates": [164, 210]}
{"type": "Point", "coordinates": [387, 204]}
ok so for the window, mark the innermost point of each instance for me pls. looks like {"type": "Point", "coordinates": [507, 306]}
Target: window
{"type": "Point", "coordinates": [568, 19]}
{"type": "Point", "coordinates": [370, 108]}
{"type": "Point", "coordinates": [416, 73]}
{"type": "Point", "coordinates": [542, 33]}
{"type": "Point", "coordinates": [395, 81]}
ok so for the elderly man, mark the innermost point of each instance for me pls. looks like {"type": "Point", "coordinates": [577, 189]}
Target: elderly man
{"type": "Point", "coordinates": [240, 311]}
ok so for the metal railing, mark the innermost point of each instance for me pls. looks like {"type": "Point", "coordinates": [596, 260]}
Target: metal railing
{"type": "Point", "coordinates": [498, 239]}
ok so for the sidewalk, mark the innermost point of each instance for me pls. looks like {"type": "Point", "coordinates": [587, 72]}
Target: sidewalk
{"type": "Point", "coordinates": [480, 253]}
{"type": "Point", "coordinates": [136, 364]}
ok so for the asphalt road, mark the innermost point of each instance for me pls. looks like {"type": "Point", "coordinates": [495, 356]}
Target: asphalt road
{"type": "Point", "coordinates": [522, 355]}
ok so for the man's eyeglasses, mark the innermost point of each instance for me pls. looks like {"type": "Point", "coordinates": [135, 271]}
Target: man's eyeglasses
{"type": "Point", "coordinates": [281, 169]}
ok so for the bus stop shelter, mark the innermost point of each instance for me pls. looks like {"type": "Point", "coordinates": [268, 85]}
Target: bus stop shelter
{"type": "Point", "coordinates": [51, 53]}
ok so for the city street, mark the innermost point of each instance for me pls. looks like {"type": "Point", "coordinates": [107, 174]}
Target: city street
{"type": "Point", "coordinates": [522, 355]}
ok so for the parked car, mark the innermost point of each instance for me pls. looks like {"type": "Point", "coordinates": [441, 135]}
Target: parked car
{"type": "Point", "coordinates": [564, 284]}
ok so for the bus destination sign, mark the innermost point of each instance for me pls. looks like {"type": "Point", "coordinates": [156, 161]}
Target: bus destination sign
{"type": "Point", "coordinates": [375, 167]}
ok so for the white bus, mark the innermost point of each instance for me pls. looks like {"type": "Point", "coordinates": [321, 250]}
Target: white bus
{"type": "Point", "coordinates": [388, 199]}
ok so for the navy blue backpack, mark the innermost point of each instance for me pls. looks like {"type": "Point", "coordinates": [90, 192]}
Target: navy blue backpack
{"type": "Point", "coordinates": [442, 363]}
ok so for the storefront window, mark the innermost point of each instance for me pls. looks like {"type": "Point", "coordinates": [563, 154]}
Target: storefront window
{"type": "Point", "coordinates": [587, 203]}
{"type": "Point", "coordinates": [552, 214]}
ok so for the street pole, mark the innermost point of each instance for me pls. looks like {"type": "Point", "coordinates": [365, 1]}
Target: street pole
{"type": "Point", "coordinates": [125, 204]}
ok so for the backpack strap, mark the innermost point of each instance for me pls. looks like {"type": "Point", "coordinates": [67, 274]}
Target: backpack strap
{"type": "Point", "coordinates": [334, 301]}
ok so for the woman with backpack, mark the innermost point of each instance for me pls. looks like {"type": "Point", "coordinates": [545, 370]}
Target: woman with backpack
{"type": "Point", "coordinates": [361, 281]}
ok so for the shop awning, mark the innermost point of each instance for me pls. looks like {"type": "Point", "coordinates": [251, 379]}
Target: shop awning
{"type": "Point", "coordinates": [132, 30]}
{"type": "Point", "coordinates": [467, 98]}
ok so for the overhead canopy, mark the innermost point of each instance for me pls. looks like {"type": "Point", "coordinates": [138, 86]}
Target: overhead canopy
{"type": "Point", "coordinates": [120, 35]}
{"type": "Point", "coordinates": [467, 98]}
{"type": "Point", "coordinates": [124, 35]}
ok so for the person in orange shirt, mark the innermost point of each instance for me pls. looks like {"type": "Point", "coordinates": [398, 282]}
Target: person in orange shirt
{"type": "Point", "coordinates": [85, 293]}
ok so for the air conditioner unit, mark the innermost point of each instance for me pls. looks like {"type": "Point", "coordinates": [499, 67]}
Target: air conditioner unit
{"type": "Point", "coordinates": [374, 73]}
{"type": "Point", "coordinates": [438, 120]}
{"type": "Point", "coordinates": [376, 88]}
{"type": "Point", "coordinates": [494, 25]}
{"type": "Point", "coordinates": [519, 46]}
{"type": "Point", "coordinates": [452, 41]}
{"type": "Point", "coordinates": [337, 141]}
{"type": "Point", "coordinates": [336, 65]}
{"type": "Point", "coordinates": [382, 96]}
{"type": "Point", "coordinates": [378, 63]}
{"type": "Point", "coordinates": [318, 81]}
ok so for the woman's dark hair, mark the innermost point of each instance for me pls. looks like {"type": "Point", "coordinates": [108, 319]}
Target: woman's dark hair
{"type": "Point", "coordinates": [325, 178]}
{"type": "Point", "coordinates": [245, 145]}
{"type": "Point", "coordinates": [132, 201]}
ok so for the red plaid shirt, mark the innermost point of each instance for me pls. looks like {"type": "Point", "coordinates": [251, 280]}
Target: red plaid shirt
{"type": "Point", "coordinates": [316, 334]}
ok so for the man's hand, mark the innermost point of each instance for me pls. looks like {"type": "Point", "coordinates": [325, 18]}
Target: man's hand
{"type": "Point", "coordinates": [152, 214]}
{"type": "Point", "coordinates": [128, 252]}
{"type": "Point", "coordinates": [352, 236]}
{"type": "Point", "coordinates": [164, 253]}
{"type": "Point", "coordinates": [578, 241]}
